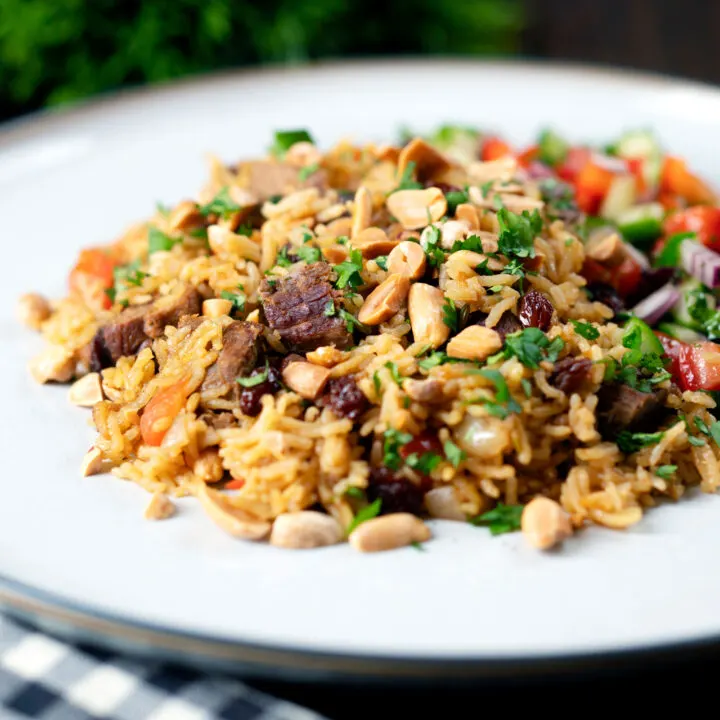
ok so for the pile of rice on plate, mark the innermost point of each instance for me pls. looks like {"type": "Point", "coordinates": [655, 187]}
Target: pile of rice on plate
{"type": "Point", "coordinates": [331, 346]}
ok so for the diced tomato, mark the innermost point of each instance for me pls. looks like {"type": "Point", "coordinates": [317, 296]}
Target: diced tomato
{"type": "Point", "coordinates": [494, 148]}
{"type": "Point", "coordinates": [426, 442]}
{"type": "Point", "coordinates": [235, 484]}
{"type": "Point", "coordinates": [91, 277]}
{"type": "Point", "coordinates": [591, 186]}
{"type": "Point", "coordinates": [160, 412]}
{"type": "Point", "coordinates": [636, 167]}
{"type": "Point", "coordinates": [675, 178]}
{"type": "Point", "coordinates": [670, 201]}
{"type": "Point", "coordinates": [701, 219]}
{"type": "Point", "coordinates": [625, 278]}
{"type": "Point", "coordinates": [529, 155]}
{"type": "Point", "coordinates": [577, 158]}
{"type": "Point", "coordinates": [693, 367]}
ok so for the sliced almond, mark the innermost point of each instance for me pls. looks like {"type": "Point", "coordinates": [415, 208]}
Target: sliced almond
{"type": "Point", "coordinates": [425, 308]}
{"type": "Point", "coordinates": [87, 391]}
{"type": "Point", "coordinates": [306, 379]}
{"type": "Point", "coordinates": [385, 300]}
{"type": "Point", "coordinates": [389, 532]}
{"type": "Point", "coordinates": [216, 307]}
{"type": "Point", "coordinates": [415, 209]}
{"type": "Point", "coordinates": [229, 518]}
{"type": "Point", "coordinates": [335, 254]}
{"type": "Point", "coordinates": [474, 343]}
{"type": "Point", "coordinates": [92, 463]}
{"type": "Point", "coordinates": [160, 507]}
{"type": "Point", "coordinates": [362, 211]}
{"type": "Point", "coordinates": [33, 310]}
{"type": "Point", "coordinates": [544, 523]}
{"type": "Point", "coordinates": [373, 242]}
{"type": "Point", "coordinates": [468, 213]}
{"type": "Point", "coordinates": [185, 216]}
{"type": "Point", "coordinates": [407, 259]}
{"type": "Point", "coordinates": [328, 356]}
{"type": "Point", "coordinates": [306, 529]}
{"type": "Point", "coordinates": [54, 364]}
{"type": "Point", "coordinates": [428, 161]}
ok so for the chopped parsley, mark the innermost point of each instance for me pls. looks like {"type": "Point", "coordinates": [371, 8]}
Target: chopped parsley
{"type": "Point", "coordinates": [665, 471]}
{"type": "Point", "coordinates": [526, 386]}
{"type": "Point", "coordinates": [486, 187]}
{"type": "Point", "coordinates": [503, 404]}
{"type": "Point", "coordinates": [430, 242]}
{"type": "Point", "coordinates": [285, 139]}
{"type": "Point", "coordinates": [309, 254]}
{"type": "Point", "coordinates": [407, 181]}
{"type": "Point", "coordinates": [417, 546]}
{"type": "Point", "coordinates": [394, 372]}
{"type": "Point", "coordinates": [283, 260]}
{"type": "Point", "coordinates": [712, 431]}
{"type": "Point", "coordinates": [125, 276]}
{"type": "Point", "coordinates": [425, 463]}
{"type": "Point", "coordinates": [640, 368]}
{"type": "Point", "coordinates": [307, 171]}
{"type": "Point", "coordinates": [514, 267]}
{"type": "Point", "coordinates": [158, 241]}
{"type": "Point", "coordinates": [501, 519]}
{"type": "Point", "coordinates": [222, 204]}
{"type": "Point", "coordinates": [355, 492]}
{"type": "Point", "coordinates": [348, 271]}
{"type": "Point", "coordinates": [163, 209]}
{"type": "Point", "coordinates": [703, 313]}
{"type": "Point", "coordinates": [393, 441]}
{"type": "Point", "coordinates": [330, 309]}
{"type": "Point", "coordinates": [367, 513]}
{"type": "Point", "coordinates": [351, 321]}
{"type": "Point", "coordinates": [517, 233]}
{"type": "Point", "coordinates": [254, 380]}
{"type": "Point", "coordinates": [632, 442]}
{"type": "Point", "coordinates": [696, 441]}
{"type": "Point", "coordinates": [455, 198]}
{"type": "Point", "coordinates": [382, 262]}
{"type": "Point", "coordinates": [453, 453]}
{"type": "Point", "coordinates": [586, 330]}
{"type": "Point", "coordinates": [472, 242]}
{"type": "Point", "coordinates": [377, 383]}
{"type": "Point", "coordinates": [432, 360]}
{"type": "Point", "coordinates": [450, 314]}
{"type": "Point", "coordinates": [238, 299]}
{"type": "Point", "coordinates": [530, 346]}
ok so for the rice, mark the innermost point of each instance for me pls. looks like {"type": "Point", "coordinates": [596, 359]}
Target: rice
{"type": "Point", "coordinates": [297, 453]}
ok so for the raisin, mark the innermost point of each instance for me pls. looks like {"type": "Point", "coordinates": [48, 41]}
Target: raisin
{"type": "Point", "coordinates": [506, 325]}
{"type": "Point", "coordinates": [535, 310]}
{"type": "Point", "coordinates": [607, 295]}
{"type": "Point", "coordinates": [250, 397]}
{"type": "Point", "coordinates": [396, 494]}
{"type": "Point", "coordinates": [570, 374]}
{"type": "Point", "coordinates": [344, 398]}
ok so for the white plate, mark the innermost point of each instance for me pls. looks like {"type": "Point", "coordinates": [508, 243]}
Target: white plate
{"type": "Point", "coordinates": [81, 546]}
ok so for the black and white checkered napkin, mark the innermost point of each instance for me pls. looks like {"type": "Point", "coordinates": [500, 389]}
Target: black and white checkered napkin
{"type": "Point", "coordinates": [46, 679]}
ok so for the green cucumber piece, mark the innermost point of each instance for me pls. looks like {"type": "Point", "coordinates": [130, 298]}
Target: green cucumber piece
{"type": "Point", "coordinates": [553, 149]}
{"type": "Point", "coordinates": [669, 256]}
{"type": "Point", "coordinates": [638, 335]}
{"type": "Point", "coordinates": [680, 312]}
{"type": "Point", "coordinates": [680, 332]}
{"type": "Point", "coordinates": [641, 223]}
{"type": "Point", "coordinates": [637, 144]}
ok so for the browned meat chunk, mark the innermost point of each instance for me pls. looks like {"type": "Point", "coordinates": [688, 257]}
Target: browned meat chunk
{"type": "Point", "coordinates": [237, 358]}
{"type": "Point", "coordinates": [570, 374]}
{"type": "Point", "coordinates": [133, 326]}
{"type": "Point", "coordinates": [267, 178]}
{"type": "Point", "coordinates": [219, 421]}
{"type": "Point", "coordinates": [621, 407]}
{"type": "Point", "coordinates": [295, 306]}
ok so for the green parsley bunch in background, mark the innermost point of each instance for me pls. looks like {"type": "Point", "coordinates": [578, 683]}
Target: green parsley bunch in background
{"type": "Point", "coordinates": [52, 51]}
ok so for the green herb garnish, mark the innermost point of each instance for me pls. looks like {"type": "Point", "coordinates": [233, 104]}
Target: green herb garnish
{"type": "Point", "coordinates": [407, 181]}
{"type": "Point", "coordinates": [394, 372]}
{"type": "Point", "coordinates": [586, 330]}
{"type": "Point", "coordinates": [254, 380]}
{"type": "Point", "coordinates": [367, 513]}
{"type": "Point", "coordinates": [393, 441]}
{"type": "Point", "coordinates": [238, 299]}
{"type": "Point", "coordinates": [503, 404]}
{"type": "Point", "coordinates": [348, 271]}
{"type": "Point", "coordinates": [382, 262]}
{"type": "Point", "coordinates": [425, 463]}
{"type": "Point", "coordinates": [665, 471]}
{"type": "Point", "coordinates": [450, 314]}
{"type": "Point", "coordinates": [453, 453]}
{"type": "Point", "coordinates": [430, 242]}
{"type": "Point", "coordinates": [330, 309]}
{"type": "Point", "coordinates": [517, 233]}
{"type": "Point", "coordinates": [158, 241]}
{"type": "Point", "coordinates": [307, 171]}
{"type": "Point", "coordinates": [285, 139]}
{"type": "Point", "coordinates": [309, 254]}
{"type": "Point", "coordinates": [501, 519]}
{"type": "Point", "coordinates": [221, 204]}
{"type": "Point", "coordinates": [531, 346]}
{"type": "Point", "coordinates": [455, 198]}
{"type": "Point", "coordinates": [632, 442]}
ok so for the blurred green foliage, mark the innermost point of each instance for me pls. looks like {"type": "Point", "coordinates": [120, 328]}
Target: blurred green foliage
{"type": "Point", "coordinates": [52, 51]}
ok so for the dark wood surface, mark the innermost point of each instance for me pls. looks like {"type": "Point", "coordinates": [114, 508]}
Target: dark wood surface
{"type": "Point", "coordinates": [678, 37]}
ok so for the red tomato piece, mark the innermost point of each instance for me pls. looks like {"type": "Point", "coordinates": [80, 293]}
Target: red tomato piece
{"type": "Point", "coordinates": [160, 412]}
{"type": "Point", "coordinates": [577, 158]}
{"type": "Point", "coordinates": [636, 167]}
{"type": "Point", "coordinates": [693, 367]}
{"type": "Point", "coordinates": [494, 148]}
{"type": "Point", "coordinates": [675, 178]}
{"type": "Point", "coordinates": [591, 186]}
{"type": "Point", "coordinates": [529, 155]}
{"type": "Point", "coordinates": [702, 220]}
{"type": "Point", "coordinates": [426, 442]}
{"type": "Point", "coordinates": [92, 275]}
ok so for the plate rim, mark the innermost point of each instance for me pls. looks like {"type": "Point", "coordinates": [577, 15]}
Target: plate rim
{"type": "Point", "coordinates": [38, 605]}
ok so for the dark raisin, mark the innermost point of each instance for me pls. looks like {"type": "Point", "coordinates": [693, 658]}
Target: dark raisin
{"type": "Point", "coordinates": [535, 310]}
{"type": "Point", "coordinates": [426, 442]}
{"type": "Point", "coordinates": [250, 397]}
{"type": "Point", "coordinates": [506, 325]}
{"type": "Point", "coordinates": [607, 295]}
{"type": "Point", "coordinates": [570, 374]}
{"type": "Point", "coordinates": [345, 398]}
{"type": "Point", "coordinates": [396, 494]}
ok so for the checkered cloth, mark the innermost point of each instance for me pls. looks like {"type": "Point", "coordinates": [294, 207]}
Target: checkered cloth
{"type": "Point", "coordinates": [46, 679]}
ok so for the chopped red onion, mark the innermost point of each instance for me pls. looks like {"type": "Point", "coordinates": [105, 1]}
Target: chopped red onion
{"type": "Point", "coordinates": [654, 306]}
{"type": "Point", "coordinates": [701, 262]}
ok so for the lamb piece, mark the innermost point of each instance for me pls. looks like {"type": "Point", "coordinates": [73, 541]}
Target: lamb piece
{"type": "Point", "coordinates": [135, 325]}
{"type": "Point", "coordinates": [621, 407]}
{"type": "Point", "coordinates": [268, 178]}
{"type": "Point", "coordinates": [239, 354]}
{"type": "Point", "coordinates": [295, 306]}
{"type": "Point", "coordinates": [218, 421]}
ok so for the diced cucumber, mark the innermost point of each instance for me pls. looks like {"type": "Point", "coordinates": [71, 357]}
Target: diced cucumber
{"type": "Point", "coordinates": [637, 144]}
{"type": "Point", "coordinates": [638, 335]}
{"type": "Point", "coordinates": [680, 312]}
{"type": "Point", "coordinates": [680, 333]}
{"type": "Point", "coordinates": [553, 148]}
{"type": "Point", "coordinates": [620, 197]}
{"type": "Point", "coordinates": [641, 223]}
